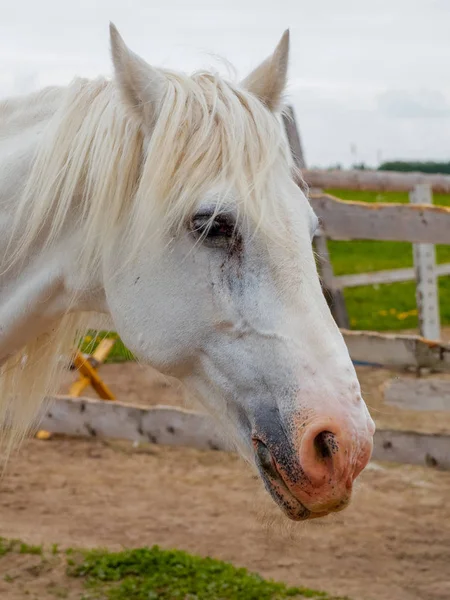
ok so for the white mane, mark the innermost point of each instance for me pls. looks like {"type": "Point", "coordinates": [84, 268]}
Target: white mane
{"type": "Point", "coordinates": [96, 167]}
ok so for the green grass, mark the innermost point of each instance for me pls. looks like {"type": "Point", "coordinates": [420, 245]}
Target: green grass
{"type": "Point", "coordinates": [396, 197]}
{"type": "Point", "coordinates": [152, 573]}
{"type": "Point", "coordinates": [119, 352]}
{"type": "Point", "coordinates": [155, 574]}
{"type": "Point", "coordinates": [388, 306]}
{"type": "Point", "coordinates": [7, 546]}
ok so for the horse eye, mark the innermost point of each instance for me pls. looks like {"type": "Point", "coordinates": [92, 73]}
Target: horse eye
{"type": "Point", "coordinates": [218, 231]}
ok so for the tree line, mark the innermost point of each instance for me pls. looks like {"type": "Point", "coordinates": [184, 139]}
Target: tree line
{"type": "Point", "coordinates": [420, 166]}
{"type": "Point", "coordinates": [401, 165]}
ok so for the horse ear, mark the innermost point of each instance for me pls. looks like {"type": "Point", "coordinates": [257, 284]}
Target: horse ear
{"type": "Point", "coordinates": [142, 87]}
{"type": "Point", "coordinates": [268, 81]}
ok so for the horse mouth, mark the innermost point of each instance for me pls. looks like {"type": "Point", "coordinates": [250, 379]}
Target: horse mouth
{"type": "Point", "coordinates": [280, 493]}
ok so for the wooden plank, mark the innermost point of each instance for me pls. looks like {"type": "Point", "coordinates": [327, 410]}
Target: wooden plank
{"type": "Point", "coordinates": [160, 424]}
{"type": "Point", "coordinates": [443, 269]}
{"type": "Point", "coordinates": [395, 222]}
{"type": "Point", "coordinates": [87, 370]}
{"type": "Point", "coordinates": [78, 386]}
{"type": "Point", "coordinates": [374, 180]}
{"type": "Point", "coordinates": [412, 448]}
{"type": "Point", "coordinates": [177, 427]}
{"type": "Point", "coordinates": [418, 394]}
{"type": "Point", "coordinates": [387, 276]}
{"type": "Point", "coordinates": [427, 296]}
{"type": "Point", "coordinates": [398, 351]}
{"type": "Point", "coordinates": [102, 351]}
{"type": "Point", "coordinates": [99, 355]}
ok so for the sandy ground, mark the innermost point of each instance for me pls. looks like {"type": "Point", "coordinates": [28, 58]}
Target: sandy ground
{"type": "Point", "coordinates": [393, 543]}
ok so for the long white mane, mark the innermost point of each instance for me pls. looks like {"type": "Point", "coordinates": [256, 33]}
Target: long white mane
{"type": "Point", "coordinates": [96, 167]}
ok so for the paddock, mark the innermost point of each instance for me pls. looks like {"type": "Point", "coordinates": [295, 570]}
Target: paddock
{"type": "Point", "coordinates": [392, 542]}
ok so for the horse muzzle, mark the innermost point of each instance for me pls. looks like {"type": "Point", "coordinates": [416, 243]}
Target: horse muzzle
{"type": "Point", "coordinates": [313, 475]}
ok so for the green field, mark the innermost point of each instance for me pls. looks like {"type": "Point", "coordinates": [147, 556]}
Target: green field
{"type": "Point", "coordinates": [139, 574]}
{"type": "Point", "coordinates": [388, 306]}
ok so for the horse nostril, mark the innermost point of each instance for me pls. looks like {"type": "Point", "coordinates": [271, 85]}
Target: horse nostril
{"type": "Point", "coordinates": [325, 444]}
{"type": "Point", "coordinates": [265, 460]}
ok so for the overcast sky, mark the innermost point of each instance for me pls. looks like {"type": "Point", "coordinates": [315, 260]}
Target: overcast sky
{"type": "Point", "coordinates": [369, 80]}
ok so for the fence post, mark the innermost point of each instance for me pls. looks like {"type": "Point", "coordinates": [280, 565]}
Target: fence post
{"type": "Point", "coordinates": [427, 293]}
{"type": "Point", "coordinates": [334, 296]}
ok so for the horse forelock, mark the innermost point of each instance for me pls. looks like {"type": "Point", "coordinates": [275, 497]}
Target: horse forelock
{"type": "Point", "coordinates": [208, 134]}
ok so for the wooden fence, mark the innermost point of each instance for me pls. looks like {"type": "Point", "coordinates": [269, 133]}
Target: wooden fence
{"type": "Point", "coordinates": [424, 225]}
{"type": "Point", "coordinates": [418, 222]}
{"type": "Point", "coordinates": [342, 220]}
{"type": "Point", "coordinates": [372, 180]}
{"type": "Point", "coordinates": [378, 222]}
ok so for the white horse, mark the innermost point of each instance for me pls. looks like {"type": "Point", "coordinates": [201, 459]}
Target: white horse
{"type": "Point", "coordinates": [167, 202]}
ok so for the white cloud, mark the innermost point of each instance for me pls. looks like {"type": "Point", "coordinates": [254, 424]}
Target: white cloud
{"type": "Point", "coordinates": [355, 65]}
{"type": "Point", "coordinates": [423, 104]}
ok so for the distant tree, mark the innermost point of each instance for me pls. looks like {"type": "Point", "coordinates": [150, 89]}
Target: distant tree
{"type": "Point", "coordinates": [359, 166]}
{"type": "Point", "coordinates": [420, 166]}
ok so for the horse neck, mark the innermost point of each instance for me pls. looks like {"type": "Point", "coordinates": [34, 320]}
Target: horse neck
{"type": "Point", "coordinates": [34, 293]}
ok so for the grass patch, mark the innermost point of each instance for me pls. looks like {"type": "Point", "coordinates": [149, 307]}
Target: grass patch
{"type": "Point", "coordinates": [392, 197]}
{"type": "Point", "coordinates": [119, 352]}
{"type": "Point", "coordinates": [7, 546]}
{"type": "Point", "coordinates": [147, 574]}
{"type": "Point", "coordinates": [155, 574]}
{"type": "Point", "coordinates": [387, 306]}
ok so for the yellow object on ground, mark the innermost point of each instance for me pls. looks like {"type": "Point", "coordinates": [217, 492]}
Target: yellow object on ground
{"type": "Point", "coordinates": [87, 367]}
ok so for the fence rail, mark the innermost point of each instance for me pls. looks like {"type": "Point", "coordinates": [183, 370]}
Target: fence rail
{"type": "Point", "coordinates": [419, 394]}
{"type": "Point", "coordinates": [343, 220]}
{"type": "Point", "coordinates": [166, 425]}
{"type": "Point", "coordinates": [388, 276]}
{"type": "Point", "coordinates": [397, 351]}
{"type": "Point", "coordinates": [374, 180]}
{"type": "Point", "coordinates": [177, 427]}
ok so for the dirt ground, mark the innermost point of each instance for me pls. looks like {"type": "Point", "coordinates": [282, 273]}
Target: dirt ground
{"type": "Point", "coordinates": [392, 543]}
